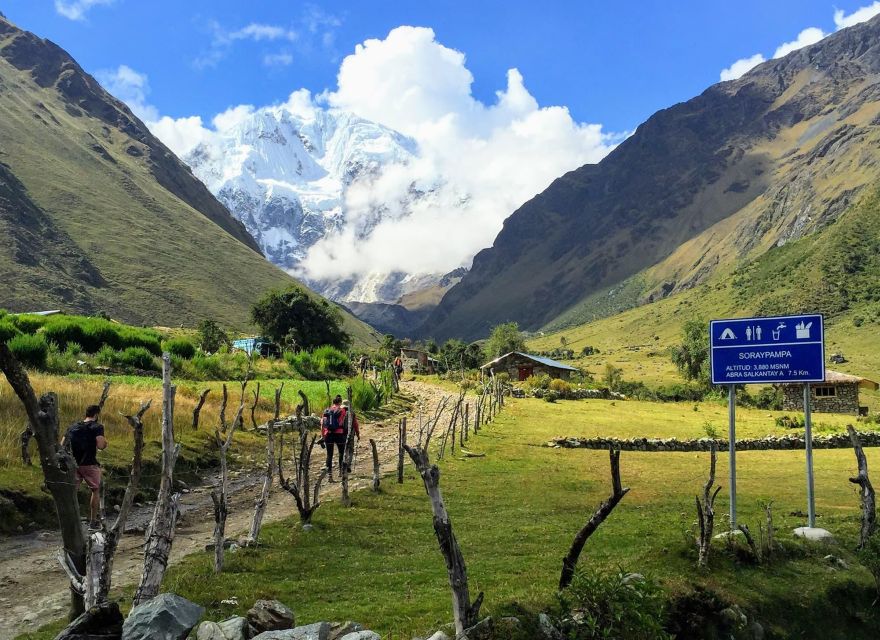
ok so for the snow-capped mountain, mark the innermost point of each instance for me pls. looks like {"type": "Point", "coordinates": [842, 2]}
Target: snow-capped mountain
{"type": "Point", "coordinates": [285, 175]}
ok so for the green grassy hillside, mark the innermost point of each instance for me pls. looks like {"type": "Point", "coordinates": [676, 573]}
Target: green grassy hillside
{"type": "Point", "coordinates": [100, 216]}
{"type": "Point", "coordinates": [835, 272]}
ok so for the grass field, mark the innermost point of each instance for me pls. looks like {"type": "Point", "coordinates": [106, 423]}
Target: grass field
{"type": "Point", "coordinates": [516, 510]}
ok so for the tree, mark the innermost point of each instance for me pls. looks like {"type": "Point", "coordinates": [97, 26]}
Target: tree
{"type": "Point", "coordinates": [504, 339]}
{"type": "Point", "coordinates": [691, 357]}
{"type": "Point", "coordinates": [456, 354]}
{"type": "Point", "coordinates": [612, 376]}
{"type": "Point", "coordinates": [212, 337]}
{"type": "Point", "coordinates": [293, 316]}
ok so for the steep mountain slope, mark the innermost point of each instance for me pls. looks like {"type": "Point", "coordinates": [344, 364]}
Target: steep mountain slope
{"type": "Point", "coordinates": [837, 273]}
{"type": "Point", "coordinates": [100, 215]}
{"type": "Point", "coordinates": [747, 165]}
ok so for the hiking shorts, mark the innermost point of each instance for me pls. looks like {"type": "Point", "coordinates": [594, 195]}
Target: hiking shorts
{"type": "Point", "coordinates": [90, 474]}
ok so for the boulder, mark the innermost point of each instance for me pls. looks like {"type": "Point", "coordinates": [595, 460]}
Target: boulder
{"type": "Point", "coordinates": [340, 629]}
{"type": "Point", "coordinates": [361, 635]}
{"type": "Point", "coordinates": [316, 631]}
{"type": "Point", "coordinates": [814, 534]}
{"type": "Point", "coordinates": [235, 628]}
{"type": "Point", "coordinates": [208, 630]}
{"type": "Point", "coordinates": [547, 629]}
{"type": "Point", "coordinates": [439, 636]}
{"type": "Point", "coordinates": [102, 622]}
{"type": "Point", "coordinates": [269, 615]}
{"type": "Point", "coordinates": [165, 617]}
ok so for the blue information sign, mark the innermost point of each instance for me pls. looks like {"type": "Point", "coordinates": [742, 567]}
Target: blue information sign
{"type": "Point", "coordinates": [762, 350]}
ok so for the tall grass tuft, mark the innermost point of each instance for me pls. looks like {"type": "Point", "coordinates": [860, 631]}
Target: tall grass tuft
{"type": "Point", "coordinates": [30, 350]}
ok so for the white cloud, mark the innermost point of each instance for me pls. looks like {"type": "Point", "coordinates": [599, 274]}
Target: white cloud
{"type": "Point", "coordinates": [808, 36]}
{"type": "Point", "coordinates": [741, 67]}
{"type": "Point", "coordinates": [281, 59]}
{"type": "Point", "coordinates": [77, 9]}
{"type": "Point", "coordinates": [256, 31]}
{"type": "Point", "coordinates": [479, 162]}
{"type": "Point", "coordinates": [132, 88]}
{"type": "Point", "coordinates": [862, 14]}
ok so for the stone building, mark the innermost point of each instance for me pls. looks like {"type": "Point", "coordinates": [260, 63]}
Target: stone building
{"type": "Point", "coordinates": [523, 365]}
{"type": "Point", "coordinates": [838, 394]}
{"type": "Point", "coordinates": [418, 361]}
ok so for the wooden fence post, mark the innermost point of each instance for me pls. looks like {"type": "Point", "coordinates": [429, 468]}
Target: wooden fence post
{"type": "Point", "coordinates": [401, 448]}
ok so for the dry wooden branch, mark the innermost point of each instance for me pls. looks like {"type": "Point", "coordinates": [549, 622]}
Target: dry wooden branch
{"type": "Point", "coordinates": [377, 475]}
{"type": "Point", "coordinates": [347, 450]}
{"type": "Point", "coordinates": [866, 489]}
{"type": "Point", "coordinates": [160, 532]}
{"type": "Point", "coordinates": [26, 436]}
{"type": "Point", "coordinates": [465, 612]}
{"type": "Point", "coordinates": [256, 393]}
{"type": "Point", "coordinates": [299, 487]}
{"type": "Point", "coordinates": [706, 509]}
{"type": "Point", "coordinates": [618, 491]}
{"type": "Point", "coordinates": [263, 499]}
{"type": "Point", "coordinates": [401, 444]}
{"type": "Point", "coordinates": [304, 405]}
{"type": "Point", "coordinates": [220, 493]}
{"type": "Point", "coordinates": [197, 411]}
{"type": "Point", "coordinates": [57, 463]}
{"type": "Point", "coordinates": [750, 541]}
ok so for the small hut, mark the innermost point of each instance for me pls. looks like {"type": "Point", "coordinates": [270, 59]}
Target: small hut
{"type": "Point", "coordinates": [524, 365]}
{"type": "Point", "coordinates": [418, 361]}
{"type": "Point", "coordinates": [838, 394]}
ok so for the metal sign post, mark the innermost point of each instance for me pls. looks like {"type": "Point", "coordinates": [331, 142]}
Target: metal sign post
{"type": "Point", "coordinates": [731, 437]}
{"type": "Point", "coordinates": [777, 350]}
{"type": "Point", "coordinates": [808, 439]}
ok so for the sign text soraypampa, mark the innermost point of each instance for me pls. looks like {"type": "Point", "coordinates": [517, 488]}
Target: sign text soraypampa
{"type": "Point", "coordinates": [762, 350]}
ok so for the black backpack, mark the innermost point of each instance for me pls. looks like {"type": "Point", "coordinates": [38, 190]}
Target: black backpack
{"type": "Point", "coordinates": [333, 419]}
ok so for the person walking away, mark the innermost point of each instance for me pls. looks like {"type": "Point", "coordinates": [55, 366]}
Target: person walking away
{"type": "Point", "coordinates": [85, 439]}
{"type": "Point", "coordinates": [335, 434]}
{"type": "Point", "coordinates": [398, 367]}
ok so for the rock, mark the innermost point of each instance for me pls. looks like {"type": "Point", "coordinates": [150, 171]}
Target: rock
{"type": "Point", "coordinates": [439, 636]}
{"type": "Point", "coordinates": [361, 635]}
{"type": "Point", "coordinates": [756, 630]}
{"type": "Point", "coordinates": [724, 535]}
{"type": "Point", "coordinates": [208, 630]}
{"type": "Point", "coordinates": [235, 628]}
{"type": "Point", "coordinates": [102, 621]}
{"type": "Point", "coordinates": [316, 631]}
{"type": "Point", "coordinates": [545, 626]}
{"type": "Point", "coordinates": [734, 617]}
{"type": "Point", "coordinates": [814, 534]}
{"type": "Point", "coordinates": [837, 563]}
{"type": "Point", "coordinates": [269, 615]}
{"type": "Point", "coordinates": [483, 630]}
{"type": "Point", "coordinates": [340, 629]}
{"type": "Point", "coordinates": [165, 617]}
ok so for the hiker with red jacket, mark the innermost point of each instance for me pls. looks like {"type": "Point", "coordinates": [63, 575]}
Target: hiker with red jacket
{"type": "Point", "coordinates": [334, 432]}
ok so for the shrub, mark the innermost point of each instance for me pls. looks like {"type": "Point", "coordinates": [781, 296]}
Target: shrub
{"type": "Point", "coordinates": [106, 356]}
{"type": "Point", "coordinates": [789, 422]}
{"type": "Point", "coordinates": [538, 382]}
{"type": "Point", "coordinates": [366, 395]}
{"type": "Point", "coordinates": [212, 337]}
{"type": "Point", "coordinates": [180, 347]}
{"type": "Point", "coordinates": [330, 362]}
{"type": "Point", "coordinates": [60, 362]}
{"type": "Point", "coordinates": [93, 333]}
{"type": "Point", "coordinates": [613, 605]}
{"type": "Point", "coordinates": [30, 350]}
{"type": "Point", "coordinates": [551, 396]}
{"type": "Point", "coordinates": [28, 323]}
{"type": "Point", "coordinates": [769, 398]}
{"type": "Point", "coordinates": [137, 357]}
{"type": "Point", "coordinates": [677, 392]}
{"type": "Point", "coordinates": [204, 367]}
{"type": "Point", "coordinates": [303, 364]}
{"type": "Point", "coordinates": [8, 330]}
{"type": "Point", "coordinates": [561, 387]}
{"type": "Point", "coordinates": [134, 337]}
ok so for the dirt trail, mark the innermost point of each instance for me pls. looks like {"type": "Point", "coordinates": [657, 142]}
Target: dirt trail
{"type": "Point", "coordinates": [33, 588]}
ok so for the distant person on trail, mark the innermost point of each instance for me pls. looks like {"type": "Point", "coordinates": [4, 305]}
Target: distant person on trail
{"type": "Point", "coordinates": [334, 432]}
{"type": "Point", "coordinates": [398, 366]}
{"type": "Point", "coordinates": [363, 365]}
{"type": "Point", "coordinates": [84, 439]}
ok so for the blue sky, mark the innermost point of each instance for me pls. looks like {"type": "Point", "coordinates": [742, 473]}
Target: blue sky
{"type": "Point", "coordinates": [612, 63]}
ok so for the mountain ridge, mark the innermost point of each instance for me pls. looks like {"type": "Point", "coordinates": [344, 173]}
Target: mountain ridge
{"type": "Point", "coordinates": [688, 169]}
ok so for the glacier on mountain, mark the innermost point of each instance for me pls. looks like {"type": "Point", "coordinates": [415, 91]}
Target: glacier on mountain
{"type": "Point", "coordinates": [285, 174]}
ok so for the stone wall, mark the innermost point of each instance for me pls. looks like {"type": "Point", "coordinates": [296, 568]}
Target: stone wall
{"type": "Point", "coordinates": [846, 399]}
{"type": "Point", "coordinates": [833, 441]}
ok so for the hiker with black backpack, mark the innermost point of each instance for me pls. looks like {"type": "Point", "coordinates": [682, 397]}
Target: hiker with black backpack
{"type": "Point", "coordinates": [84, 439]}
{"type": "Point", "coordinates": [334, 431]}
